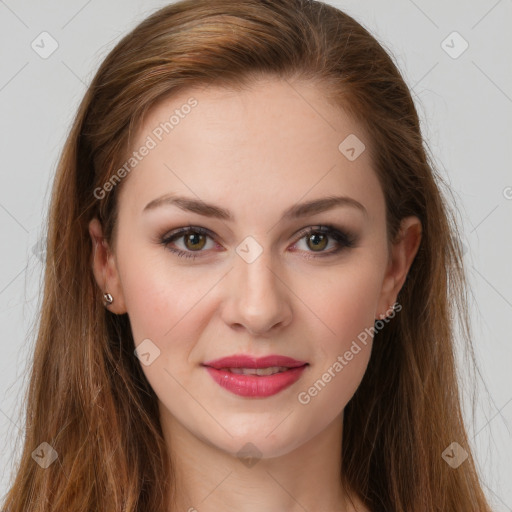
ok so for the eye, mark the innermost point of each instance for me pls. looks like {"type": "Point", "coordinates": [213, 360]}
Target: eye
{"type": "Point", "coordinates": [194, 239]}
{"type": "Point", "coordinates": [315, 238]}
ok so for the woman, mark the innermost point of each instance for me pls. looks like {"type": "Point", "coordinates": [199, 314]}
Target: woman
{"type": "Point", "coordinates": [250, 282]}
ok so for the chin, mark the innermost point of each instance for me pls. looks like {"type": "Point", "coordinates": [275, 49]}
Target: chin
{"type": "Point", "coordinates": [258, 440]}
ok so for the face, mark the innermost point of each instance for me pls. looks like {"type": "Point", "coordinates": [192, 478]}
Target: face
{"type": "Point", "coordinates": [255, 274]}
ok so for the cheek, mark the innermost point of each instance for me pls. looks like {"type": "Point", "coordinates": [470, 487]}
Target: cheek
{"type": "Point", "coordinates": [163, 307]}
{"type": "Point", "coordinates": [343, 344]}
{"type": "Point", "coordinates": [347, 303]}
{"type": "Point", "coordinates": [157, 294]}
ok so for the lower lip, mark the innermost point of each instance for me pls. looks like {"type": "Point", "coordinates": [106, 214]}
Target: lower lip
{"type": "Point", "coordinates": [254, 385]}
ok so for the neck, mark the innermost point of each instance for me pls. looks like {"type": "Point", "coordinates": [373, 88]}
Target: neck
{"type": "Point", "coordinates": [209, 479]}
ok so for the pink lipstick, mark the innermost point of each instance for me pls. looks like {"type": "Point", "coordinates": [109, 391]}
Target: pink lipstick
{"type": "Point", "coordinates": [255, 377]}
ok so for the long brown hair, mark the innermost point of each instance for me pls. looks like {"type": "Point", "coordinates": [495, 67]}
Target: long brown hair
{"type": "Point", "coordinates": [88, 397]}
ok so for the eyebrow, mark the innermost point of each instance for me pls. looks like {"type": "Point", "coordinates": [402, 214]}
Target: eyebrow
{"type": "Point", "coordinates": [296, 211]}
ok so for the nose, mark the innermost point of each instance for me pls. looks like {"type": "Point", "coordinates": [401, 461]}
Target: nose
{"type": "Point", "coordinates": [259, 298]}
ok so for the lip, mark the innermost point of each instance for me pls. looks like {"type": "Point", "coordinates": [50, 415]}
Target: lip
{"type": "Point", "coordinates": [246, 361]}
{"type": "Point", "coordinates": [253, 385]}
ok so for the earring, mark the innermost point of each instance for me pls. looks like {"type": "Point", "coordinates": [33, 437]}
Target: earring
{"type": "Point", "coordinates": [107, 299]}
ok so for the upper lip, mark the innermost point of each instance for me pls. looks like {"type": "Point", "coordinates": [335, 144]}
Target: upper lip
{"type": "Point", "coordinates": [246, 361]}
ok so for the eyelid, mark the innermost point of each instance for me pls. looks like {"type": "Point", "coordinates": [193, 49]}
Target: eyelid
{"type": "Point", "coordinates": [327, 229]}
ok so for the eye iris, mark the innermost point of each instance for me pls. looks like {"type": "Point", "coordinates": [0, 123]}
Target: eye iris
{"type": "Point", "coordinates": [317, 244]}
{"type": "Point", "coordinates": [193, 238]}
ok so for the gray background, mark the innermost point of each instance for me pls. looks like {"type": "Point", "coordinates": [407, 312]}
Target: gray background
{"type": "Point", "coordinates": [464, 100]}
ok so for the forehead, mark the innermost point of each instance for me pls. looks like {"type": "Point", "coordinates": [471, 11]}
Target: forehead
{"type": "Point", "coordinates": [274, 141]}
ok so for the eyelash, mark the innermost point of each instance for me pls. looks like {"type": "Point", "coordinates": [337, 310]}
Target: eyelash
{"type": "Point", "coordinates": [345, 240]}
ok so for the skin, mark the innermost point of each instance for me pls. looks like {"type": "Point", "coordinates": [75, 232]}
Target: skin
{"type": "Point", "coordinates": [254, 152]}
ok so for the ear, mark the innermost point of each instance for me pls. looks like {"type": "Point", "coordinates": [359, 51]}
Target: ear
{"type": "Point", "coordinates": [105, 268]}
{"type": "Point", "coordinates": [402, 253]}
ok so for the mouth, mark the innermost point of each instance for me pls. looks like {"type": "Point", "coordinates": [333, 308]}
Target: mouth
{"type": "Point", "coordinates": [271, 370]}
{"type": "Point", "coordinates": [250, 377]}
{"type": "Point", "coordinates": [247, 362]}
